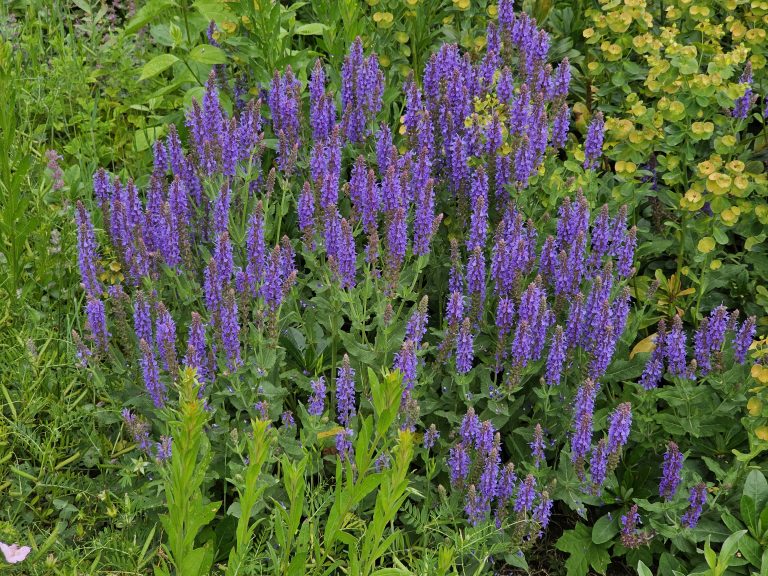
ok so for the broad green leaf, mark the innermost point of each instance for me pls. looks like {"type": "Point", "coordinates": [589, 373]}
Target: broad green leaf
{"type": "Point", "coordinates": [206, 54]}
{"type": "Point", "coordinates": [730, 546]}
{"type": "Point", "coordinates": [753, 499]}
{"type": "Point", "coordinates": [604, 530]}
{"type": "Point", "coordinates": [215, 10]}
{"type": "Point", "coordinates": [157, 65]}
{"type": "Point", "coordinates": [311, 29]}
{"type": "Point", "coordinates": [643, 570]}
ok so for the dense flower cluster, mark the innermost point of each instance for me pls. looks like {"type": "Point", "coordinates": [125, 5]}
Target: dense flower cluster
{"type": "Point", "coordinates": [670, 350]}
{"type": "Point", "coordinates": [550, 298]}
{"type": "Point", "coordinates": [476, 470]}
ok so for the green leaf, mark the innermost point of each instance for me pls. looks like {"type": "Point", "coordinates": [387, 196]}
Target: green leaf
{"type": "Point", "coordinates": [709, 555]}
{"type": "Point", "coordinates": [215, 10]}
{"type": "Point", "coordinates": [730, 546]}
{"type": "Point", "coordinates": [642, 569]}
{"type": "Point", "coordinates": [750, 549]}
{"type": "Point", "coordinates": [157, 65]}
{"type": "Point", "coordinates": [753, 499]}
{"type": "Point", "coordinates": [206, 54]}
{"type": "Point", "coordinates": [720, 235]}
{"type": "Point", "coordinates": [147, 13]}
{"type": "Point", "coordinates": [604, 530]}
{"type": "Point", "coordinates": [310, 29]}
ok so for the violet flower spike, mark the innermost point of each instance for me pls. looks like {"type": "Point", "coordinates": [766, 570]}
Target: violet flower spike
{"type": "Point", "coordinates": [593, 146]}
{"type": "Point", "coordinates": [345, 392]}
{"type": "Point", "coordinates": [317, 400]}
{"type": "Point", "coordinates": [671, 477]}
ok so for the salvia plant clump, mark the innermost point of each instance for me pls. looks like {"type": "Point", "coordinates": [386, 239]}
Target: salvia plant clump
{"type": "Point", "coordinates": [282, 254]}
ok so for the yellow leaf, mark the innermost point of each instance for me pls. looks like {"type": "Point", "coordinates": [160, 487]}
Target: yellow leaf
{"type": "Point", "coordinates": [760, 373]}
{"type": "Point", "coordinates": [645, 345]}
{"type": "Point", "coordinates": [330, 433]}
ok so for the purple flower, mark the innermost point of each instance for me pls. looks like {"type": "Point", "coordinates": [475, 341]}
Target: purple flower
{"type": "Point", "coordinates": [272, 288]}
{"type": "Point", "coordinates": [344, 444]}
{"type": "Point", "coordinates": [306, 209]}
{"type": "Point", "coordinates": [142, 321]}
{"type": "Point", "coordinates": [255, 249]}
{"type": "Point", "coordinates": [322, 111]}
{"type": "Point", "coordinates": [696, 501]}
{"type": "Point", "coordinates": [151, 373]}
{"type": "Point", "coordinates": [102, 187]}
{"type": "Point", "coordinates": [562, 80]}
{"type": "Point", "coordinates": [416, 327]}
{"type": "Point", "coordinates": [397, 239]}
{"type": "Point", "coordinates": [221, 211]}
{"type": "Point", "coordinates": [556, 357]}
{"type": "Point", "coordinates": [430, 437]}
{"type": "Point", "coordinates": [262, 408]}
{"type": "Point", "coordinates": [742, 340]}
{"type": "Point", "coordinates": [163, 449]}
{"type": "Point", "coordinates": [744, 103]}
{"type": "Point", "coordinates": [505, 315]}
{"type": "Point", "coordinates": [345, 392]}
{"type": "Point", "coordinates": [382, 462]}
{"type": "Point", "coordinates": [287, 419]}
{"type": "Point", "coordinates": [424, 223]}
{"type": "Point", "coordinates": [525, 494]}
{"type": "Point", "coordinates": [177, 201]}
{"type": "Point", "coordinates": [284, 102]}
{"type": "Point", "coordinates": [464, 348]}
{"type": "Point", "coordinates": [671, 478]}
{"type": "Point", "coordinates": [196, 350]}
{"type": "Point", "coordinates": [406, 362]}
{"type": "Point", "coordinates": [618, 430]}
{"type": "Point", "coordinates": [458, 464]}
{"type": "Point", "coordinates": [87, 250]}
{"type": "Point", "coordinates": [537, 446]}
{"type": "Point", "coordinates": [629, 532]}
{"type": "Point", "coordinates": [709, 338]}
{"type": "Point", "coordinates": [654, 369]}
{"type": "Point", "coordinates": [225, 265]}
{"type": "Point", "coordinates": [362, 87]}
{"type": "Point", "coordinates": [138, 428]}
{"type": "Point", "coordinates": [383, 147]}
{"type": "Point", "coordinates": [470, 427]}
{"type": "Point", "coordinates": [543, 512]}
{"type": "Point", "coordinates": [230, 330]}
{"type": "Point", "coordinates": [317, 400]}
{"type": "Point", "coordinates": [674, 349]}
{"type": "Point", "coordinates": [476, 278]}
{"type": "Point", "coordinates": [346, 256]}
{"type": "Point", "coordinates": [97, 323]}
{"type": "Point", "coordinates": [583, 411]}
{"type": "Point", "coordinates": [593, 146]}
{"type": "Point", "coordinates": [165, 336]}
{"type": "Point", "coordinates": [598, 465]}
{"type": "Point", "coordinates": [560, 126]}
{"type": "Point", "coordinates": [479, 220]}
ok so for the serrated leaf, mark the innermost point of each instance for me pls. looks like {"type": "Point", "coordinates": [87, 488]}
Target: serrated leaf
{"type": "Point", "coordinates": [157, 65]}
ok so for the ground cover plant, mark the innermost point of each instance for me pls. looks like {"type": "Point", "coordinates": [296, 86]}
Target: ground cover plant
{"type": "Point", "coordinates": [374, 310]}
